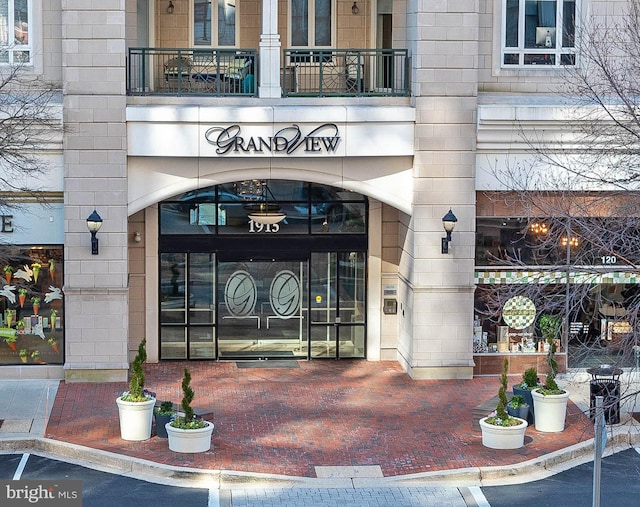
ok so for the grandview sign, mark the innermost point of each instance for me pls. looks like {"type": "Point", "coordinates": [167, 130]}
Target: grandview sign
{"type": "Point", "coordinates": [288, 140]}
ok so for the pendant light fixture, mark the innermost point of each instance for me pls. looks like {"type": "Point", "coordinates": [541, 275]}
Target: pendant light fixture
{"type": "Point", "coordinates": [266, 213]}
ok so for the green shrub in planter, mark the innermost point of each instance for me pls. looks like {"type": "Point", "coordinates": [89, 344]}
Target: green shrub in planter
{"type": "Point", "coordinates": [188, 421]}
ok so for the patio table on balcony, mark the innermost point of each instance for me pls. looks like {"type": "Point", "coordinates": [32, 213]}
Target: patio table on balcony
{"type": "Point", "coordinates": [207, 80]}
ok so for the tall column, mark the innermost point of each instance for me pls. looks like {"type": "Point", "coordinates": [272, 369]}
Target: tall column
{"type": "Point", "coordinates": [436, 338]}
{"type": "Point", "coordinates": [269, 52]}
{"type": "Point", "coordinates": [95, 177]}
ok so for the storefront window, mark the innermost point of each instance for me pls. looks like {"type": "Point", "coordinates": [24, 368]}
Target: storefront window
{"type": "Point", "coordinates": [506, 241]}
{"type": "Point", "coordinates": [31, 306]}
{"type": "Point", "coordinates": [554, 241]}
{"type": "Point", "coordinates": [602, 317]}
{"type": "Point", "coordinates": [579, 269]}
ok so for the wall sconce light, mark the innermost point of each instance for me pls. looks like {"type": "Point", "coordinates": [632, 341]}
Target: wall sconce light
{"type": "Point", "coordinates": [137, 237]}
{"type": "Point", "coordinates": [170, 7]}
{"type": "Point", "coordinates": [449, 223]}
{"type": "Point", "coordinates": [354, 8]}
{"type": "Point", "coordinates": [94, 222]}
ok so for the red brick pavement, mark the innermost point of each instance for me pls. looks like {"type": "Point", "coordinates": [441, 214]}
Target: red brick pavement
{"type": "Point", "coordinates": [288, 420]}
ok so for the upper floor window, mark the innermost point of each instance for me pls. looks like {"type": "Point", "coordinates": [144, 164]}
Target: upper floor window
{"type": "Point", "coordinates": [311, 23]}
{"type": "Point", "coordinates": [15, 31]}
{"type": "Point", "coordinates": [214, 27]}
{"type": "Point", "coordinates": [538, 32]}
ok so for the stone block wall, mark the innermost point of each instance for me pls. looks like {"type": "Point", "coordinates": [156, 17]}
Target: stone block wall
{"type": "Point", "coordinates": [96, 286]}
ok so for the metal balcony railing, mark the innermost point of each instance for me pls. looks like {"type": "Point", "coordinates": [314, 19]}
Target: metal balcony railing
{"type": "Point", "coordinates": [192, 71]}
{"type": "Point", "coordinates": [346, 72]}
{"type": "Point", "coordinates": [305, 73]}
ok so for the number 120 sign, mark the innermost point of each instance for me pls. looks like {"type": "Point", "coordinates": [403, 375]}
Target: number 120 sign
{"type": "Point", "coordinates": [609, 259]}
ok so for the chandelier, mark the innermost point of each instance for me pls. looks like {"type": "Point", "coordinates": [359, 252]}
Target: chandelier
{"type": "Point", "coordinates": [265, 212]}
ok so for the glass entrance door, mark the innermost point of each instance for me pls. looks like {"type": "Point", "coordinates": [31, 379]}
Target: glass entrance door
{"type": "Point", "coordinates": [337, 304]}
{"type": "Point", "coordinates": [262, 309]}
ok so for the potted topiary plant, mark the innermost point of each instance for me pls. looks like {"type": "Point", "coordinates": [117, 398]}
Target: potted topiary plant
{"type": "Point", "coordinates": [549, 401]}
{"type": "Point", "coordinates": [163, 415]}
{"type": "Point", "coordinates": [529, 382]}
{"type": "Point", "coordinates": [135, 406]}
{"type": "Point", "coordinates": [186, 432]}
{"type": "Point", "coordinates": [501, 430]}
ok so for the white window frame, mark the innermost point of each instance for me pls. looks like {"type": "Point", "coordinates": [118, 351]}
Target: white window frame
{"type": "Point", "coordinates": [214, 25]}
{"type": "Point", "coordinates": [12, 48]}
{"type": "Point", "coordinates": [312, 25]}
{"type": "Point", "coordinates": [537, 54]}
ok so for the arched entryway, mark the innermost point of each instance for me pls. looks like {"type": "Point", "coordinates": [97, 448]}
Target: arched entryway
{"type": "Point", "coordinates": [232, 287]}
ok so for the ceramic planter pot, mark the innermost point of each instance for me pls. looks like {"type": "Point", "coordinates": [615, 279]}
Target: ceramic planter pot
{"type": "Point", "coordinates": [161, 421]}
{"type": "Point", "coordinates": [526, 394]}
{"type": "Point", "coordinates": [135, 419]}
{"type": "Point", "coordinates": [522, 412]}
{"type": "Point", "coordinates": [551, 411]}
{"type": "Point", "coordinates": [503, 437]}
{"type": "Point", "coordinates": [190, 441]}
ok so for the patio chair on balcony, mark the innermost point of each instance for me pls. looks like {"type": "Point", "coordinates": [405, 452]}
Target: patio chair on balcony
{"type": "Point", "coordinates": [239, 71]}
{"type": "Point", "coordinates": [289, 78]}
{"type": "Point", "coordinates": [177, 74]}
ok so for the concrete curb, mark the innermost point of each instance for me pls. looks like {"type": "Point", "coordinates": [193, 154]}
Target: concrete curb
{"type": "Point", "coordinates": [619, 439]}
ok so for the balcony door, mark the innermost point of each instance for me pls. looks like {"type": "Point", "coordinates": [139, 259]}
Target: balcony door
{"type": "Point", "coordinates": [384, 74]}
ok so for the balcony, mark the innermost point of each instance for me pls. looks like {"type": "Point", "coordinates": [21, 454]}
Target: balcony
{"type": "Point", "coordinates": [305, 73]}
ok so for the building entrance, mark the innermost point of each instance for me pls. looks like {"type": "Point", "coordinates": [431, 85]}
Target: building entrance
{"type": "Point", "coordinates": [262, 309]}
{"type": "Point", "coordinates": [230, 289]}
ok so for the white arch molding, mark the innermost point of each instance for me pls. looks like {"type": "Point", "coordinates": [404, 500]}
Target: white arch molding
{"type": "Point", "coordinates": [154, 179]}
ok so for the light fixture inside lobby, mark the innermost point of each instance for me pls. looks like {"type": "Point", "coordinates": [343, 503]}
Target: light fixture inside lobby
{"type": "Point", "coordinates": [170, 7]}
{"type": "Point", "coordinates": [539, 228]}
{"type": "Point", "coordinates": [265, 212]}
{"type": "Point", "coordinates": [94, 222]}
{"type": "Point", "coordinates": [449, 223]}
{"type": "Point", "coordinates": [573, 242]}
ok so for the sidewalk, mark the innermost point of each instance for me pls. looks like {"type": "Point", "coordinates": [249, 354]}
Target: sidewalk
{"type": "Point", "coordinates": [320, 419]}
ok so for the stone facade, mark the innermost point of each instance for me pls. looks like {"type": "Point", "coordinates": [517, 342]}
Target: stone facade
{"type": "Point", "coordinates": [111, 298]}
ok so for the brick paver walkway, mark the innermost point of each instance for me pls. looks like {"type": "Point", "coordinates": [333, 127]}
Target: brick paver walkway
{"type": "Point", "coordinates": [289, 420]}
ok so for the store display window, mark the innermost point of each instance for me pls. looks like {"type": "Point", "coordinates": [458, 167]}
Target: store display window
{"type": "Point", "coordinates": [31, 305]}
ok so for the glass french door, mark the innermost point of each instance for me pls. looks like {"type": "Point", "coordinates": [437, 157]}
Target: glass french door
{"type": "Point", "coordinates": [262, 309]}
{"type": "Point", "coordinates": [337, 305]}
{"type": "Point", "coordinates": [187, 306]}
